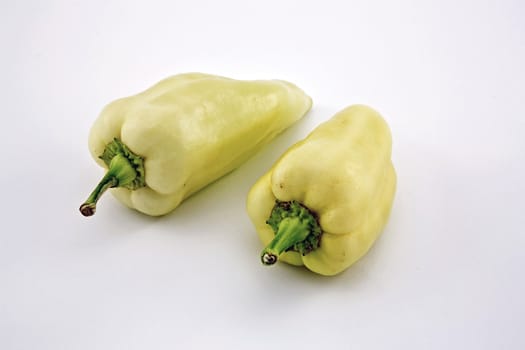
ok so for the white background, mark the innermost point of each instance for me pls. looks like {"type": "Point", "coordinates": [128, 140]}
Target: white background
{"type": "Point", "coordinates": [447, 273]}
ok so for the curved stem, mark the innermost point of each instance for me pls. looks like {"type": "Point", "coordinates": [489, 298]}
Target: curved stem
{"type": "Point", "coordinates": [119, 174]}
{"type": "Point", "coordinates": [292, 230]}
{"type": "Point", "coordinates": [89, 207]}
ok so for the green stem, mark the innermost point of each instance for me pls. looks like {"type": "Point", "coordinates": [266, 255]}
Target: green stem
{"type": "Point", "coordinates": [125, 169]}
{"type": "Point", "coordinates": [296, 228]}
{"type": "Point", "coordinates": [291, 231]}
{"type": "Point", "coordinates": [120, 173]}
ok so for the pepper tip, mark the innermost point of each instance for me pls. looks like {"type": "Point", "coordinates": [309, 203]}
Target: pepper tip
{"type": "Point", "coordinates": [87, 209]}
{"type": "Point", "coordinates": [268, 259]}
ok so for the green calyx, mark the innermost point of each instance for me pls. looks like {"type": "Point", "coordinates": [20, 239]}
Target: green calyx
{"type": "Point", "coordinates": [116, 148]}
{"type": "Point", "coordinates": [296, 229]}
{"type": "Point", "coordinates": [125, 169]}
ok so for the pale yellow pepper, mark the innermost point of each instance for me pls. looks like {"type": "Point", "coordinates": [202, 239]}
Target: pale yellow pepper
{"type": "Point", "coordinates": [327, 199]}
{"type": "Point", "coordinates": [164, 144]}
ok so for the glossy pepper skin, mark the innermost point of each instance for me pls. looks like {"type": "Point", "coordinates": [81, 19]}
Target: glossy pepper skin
{"type": "Point", "coordinates": [326, 200]}
{"type": "Point", "coordinates": [166, 143]}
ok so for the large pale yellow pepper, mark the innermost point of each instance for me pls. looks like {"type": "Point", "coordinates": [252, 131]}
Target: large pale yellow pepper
{"type": "Point", "coordinates": [326, 200]}
{"type": "Point", "coordinates": [164, 144]}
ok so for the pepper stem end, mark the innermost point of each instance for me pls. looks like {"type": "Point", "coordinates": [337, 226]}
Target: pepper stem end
{"type": "Point", "coordinates": [269, 258]}
{"type": "Point", "coordinates": [88, 209]}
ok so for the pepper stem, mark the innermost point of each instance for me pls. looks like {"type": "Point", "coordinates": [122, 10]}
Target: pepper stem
{"type": "Point", "coordinates": [125, 169]}
{"type": "Point", "coordinates": [296, 228]}
{"type": "Point", "coordinates": [119, 174]}
{"type": "Point", "coordinates": [291, 231]}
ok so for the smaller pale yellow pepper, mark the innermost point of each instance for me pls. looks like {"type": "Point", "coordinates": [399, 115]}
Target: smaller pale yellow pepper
{"type": "Point", "coordinates": [326, 200]}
